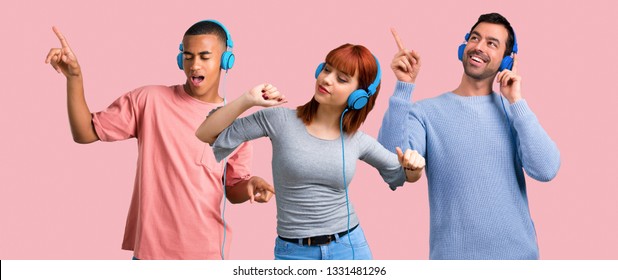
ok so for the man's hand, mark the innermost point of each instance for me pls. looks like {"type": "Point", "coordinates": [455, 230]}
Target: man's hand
{"type": "Point", "coordinates": [510, 82]}
{"type": "Point", "coordinates": [406, 64]}
{"type": "Point", "coordinates": [259, 190]}
{"type": "Point", "coordinates": [63, 59]}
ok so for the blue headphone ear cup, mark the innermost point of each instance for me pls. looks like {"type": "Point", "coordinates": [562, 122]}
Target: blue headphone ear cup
{"type": "Point", "coordinates": [319, 69]}
{"type": "Point", "coordinates": [179, 57]}
{"type": "Point", "coordinates": [462, 47]}
{"type": "Point", "coordinates": [460, 51]}
{"type": "Point", "coordinates": [179, 61]}
{"type": "Point", "coordinates": [507, 63]}
{"type": "Point", "coordinates": [227, 60]}
{"type": "Point", "coordinates": [358, 99]}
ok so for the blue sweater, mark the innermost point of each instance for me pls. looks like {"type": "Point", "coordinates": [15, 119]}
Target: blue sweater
{"type": "Point", "coordinates": [475, 170]}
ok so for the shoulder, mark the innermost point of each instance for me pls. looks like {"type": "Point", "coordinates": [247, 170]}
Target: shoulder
{"type": "Point", "coordinates": [277, 113]}
{"type": "Point", "coordinates": [360, 135]}
{"type": "Point", "coordinates": [434, 101]}
{"type": "Point", "coordinates": [362, 138]}
{"type": "Point", "coordinates": [428, 105]}
{"type": "Point", "coordinates": [151, 91]}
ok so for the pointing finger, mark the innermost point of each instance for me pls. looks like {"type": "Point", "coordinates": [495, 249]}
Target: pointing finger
{"type": "Point", "coordinates": [63, 41]}
{"type": "Point", "coordinates": [397, 39]}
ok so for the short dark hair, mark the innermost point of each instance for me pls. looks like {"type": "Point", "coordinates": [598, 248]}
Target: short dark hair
{"type": "Point", "coordinates": [208, 27]}
{"type": "Point", "coordinates": [499, 19]}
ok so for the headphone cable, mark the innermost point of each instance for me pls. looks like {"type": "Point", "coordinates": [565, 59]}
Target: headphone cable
{"type": "Point", "coordinates": [224, 180]}
{"type": "Point", "coordinates": [345, 185]}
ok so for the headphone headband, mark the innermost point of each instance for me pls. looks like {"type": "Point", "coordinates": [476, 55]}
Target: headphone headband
{"type": "Point", "coordinates": [507, 61]}
{"type": "Point", "coordinates": [227, 58]}
{"type": "Point", "coordinates": [359, 98]}
{"type": "Point", "coordinates": [228, 37]}
{"type": "Point", "coordinates": [371, 89]}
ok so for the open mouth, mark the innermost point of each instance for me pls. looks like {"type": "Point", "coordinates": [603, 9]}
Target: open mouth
{"type": "Point", "coordinates": [196, 80]}
{"type": "Point", "coordinates": [477, 57]}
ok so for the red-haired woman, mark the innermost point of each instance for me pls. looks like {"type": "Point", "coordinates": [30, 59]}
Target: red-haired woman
{"type": "Point", "coordinates": [312, 145]}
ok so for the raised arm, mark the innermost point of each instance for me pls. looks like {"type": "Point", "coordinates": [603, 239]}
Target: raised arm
{"type": "Point", "coordinates": [265, 95]}
{"type": "Point", "coordinates": [539, 154]}
{"type": "Point", "coordinates": [64, 61]}
{"type": "Point", "coordinates": [407, 63]}
{"type": "Point", "coordinates": [406, 66]}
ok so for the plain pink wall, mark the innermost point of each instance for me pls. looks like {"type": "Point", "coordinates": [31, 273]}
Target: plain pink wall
{"type": "Point", "coordinates": [61, 200]}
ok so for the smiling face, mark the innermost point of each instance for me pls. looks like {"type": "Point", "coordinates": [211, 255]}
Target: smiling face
{"type": "Point", "coordinates": [201, 62]}
{"type": "Point", "coordinates": [485, 50]}
{"type": "Point", "coordinates": [333, 87]}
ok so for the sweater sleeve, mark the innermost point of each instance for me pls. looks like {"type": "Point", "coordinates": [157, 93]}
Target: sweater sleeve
{"type": "Point", "coordinates": [260, 124]}
{"type": "Point", "coordinates": [391, 133]}
{"type": "Point", "coordinates": [384, 161]}
{"type": "Point", "coordinates": [402, 125]}
{"type": "Point", "coordinates": [539, 155]}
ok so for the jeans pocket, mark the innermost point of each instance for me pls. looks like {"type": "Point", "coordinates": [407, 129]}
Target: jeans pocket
{"type": "Point", "coordinates": [282, 248]}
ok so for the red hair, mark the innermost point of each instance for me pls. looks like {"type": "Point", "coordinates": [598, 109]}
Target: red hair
{"type": "Point", "coordinates": [348, 58]}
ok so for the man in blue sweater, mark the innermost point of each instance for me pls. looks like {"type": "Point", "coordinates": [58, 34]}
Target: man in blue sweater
{"type": "Point", "coordinates": [477, 144]}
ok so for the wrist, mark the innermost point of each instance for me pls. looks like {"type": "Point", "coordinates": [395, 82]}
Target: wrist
{"type": "Point", "coordinates": [513, 99]}
{"type": "Point", "coordinates": [75, 77]}
{"type": "Point", "coordinates": [407, 80]}
{"type": "Point", "coordinates": [247, 100]}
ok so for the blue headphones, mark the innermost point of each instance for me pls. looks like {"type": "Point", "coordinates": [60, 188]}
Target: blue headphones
{"type": "Point", "coordinates": [359, 98]}
{"type": "Point", "coordinates": [507, 61]}
{"type": "Point", "coordinates": [227, 58]}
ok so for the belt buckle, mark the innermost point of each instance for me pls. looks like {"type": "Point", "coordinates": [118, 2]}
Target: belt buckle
{"type": "Point", "coordinates": [320, 240]}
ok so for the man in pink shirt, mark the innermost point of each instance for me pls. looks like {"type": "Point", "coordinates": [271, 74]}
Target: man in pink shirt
{"type": "Point", "coordinates": [175, 209]}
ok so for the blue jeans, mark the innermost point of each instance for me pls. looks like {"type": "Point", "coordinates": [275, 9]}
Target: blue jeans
{"type": "Point", "coordinates": [340, 249]}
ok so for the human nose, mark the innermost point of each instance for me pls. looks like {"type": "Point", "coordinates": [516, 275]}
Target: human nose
{"type": "Point", "coordinates": [479, 46]}
{"type": "Point", "coordinates": [195, 64]}
{"type": "Point", "coordinates": [328, 78]}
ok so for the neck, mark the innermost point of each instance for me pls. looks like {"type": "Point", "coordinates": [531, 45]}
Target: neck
{"type": "Point", "coordinates": [211, 96]}
{"type": "Point", "coordinates": [474, 87]}
{"type": "Point", "coordinates": [328, 117]}
{"type": "Point", "coordinates": [325, 124]}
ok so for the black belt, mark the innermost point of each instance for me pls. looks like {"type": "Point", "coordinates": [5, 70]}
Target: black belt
{"type": "Point", "coordinates": [318, 240]}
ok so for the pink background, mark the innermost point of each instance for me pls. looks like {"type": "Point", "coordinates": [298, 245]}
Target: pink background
{"type": "Point", "coordinates": [61, 200]}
